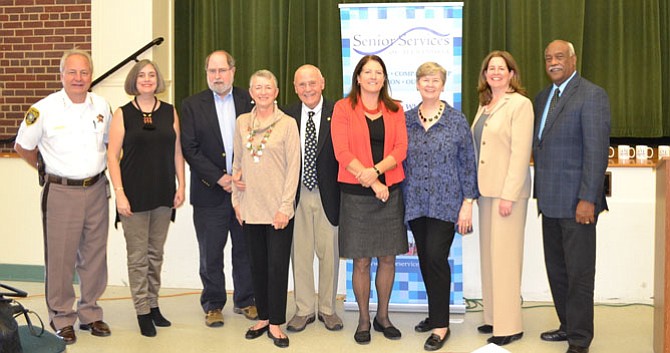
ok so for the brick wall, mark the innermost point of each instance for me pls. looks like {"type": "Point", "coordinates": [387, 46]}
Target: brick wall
{"type": "Point", "coordinates": [33, 36]}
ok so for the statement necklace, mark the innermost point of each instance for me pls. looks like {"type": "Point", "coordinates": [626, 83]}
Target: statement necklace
{"type": "Point", "coordinates": [148, 120]}
{"type": "Point", "coordinates": [373, 111]}
{"type": "Point", "coordinates": [257, 151]}
{"type": "Point", "coordinates": [430, 120]}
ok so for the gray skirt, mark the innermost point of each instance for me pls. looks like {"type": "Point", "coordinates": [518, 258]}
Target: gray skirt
{"type": "Point", "coordinates": [371, 228]}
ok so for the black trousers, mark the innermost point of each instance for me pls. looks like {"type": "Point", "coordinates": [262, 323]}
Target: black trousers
{"type": "Point", "coordinates": [570, 257]}
{"type": "Point", "coordinates": [212, 225]}
{"type": "Point", "coordinates": [270, 253]}
{"type": "Point", "coordinates": [433, 239]}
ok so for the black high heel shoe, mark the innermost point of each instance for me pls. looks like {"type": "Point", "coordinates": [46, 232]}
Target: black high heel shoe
{"type": "Point", "coordinates": [390, 332]}
{"type": "Point", "coordinates": [503, 340]}
{"type": "Point", "coordinates": [362, 336]}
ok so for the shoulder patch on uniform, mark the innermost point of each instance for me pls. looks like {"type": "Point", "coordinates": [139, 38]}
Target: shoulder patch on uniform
{"type": "Point", "coordinates": [31, 116]}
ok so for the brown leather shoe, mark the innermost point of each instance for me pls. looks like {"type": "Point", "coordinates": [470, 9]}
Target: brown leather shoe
{"type": "Point", "coordinates": [214, 318]}
{"type": "Point", "coordinates": [250, 312]}
{"type": "Point", "coordinates": [298, 323]}
{"type": "Point", "coordinates": [67, 335]}
{"type": "Point", "coordinates": [332, 322]}
{"type": "Point", "coordinates": [98, 328]}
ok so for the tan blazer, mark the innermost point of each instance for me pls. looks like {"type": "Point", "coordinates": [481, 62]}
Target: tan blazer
{"type": "Point", "coordinates": [503, 166]}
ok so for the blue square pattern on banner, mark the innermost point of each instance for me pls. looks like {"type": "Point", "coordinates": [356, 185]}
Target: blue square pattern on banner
{"type": "Point", "coordinates": [408, 287]}
{"type": "Point", "coordinates": [381, 13]}
{"type": "Point", "coordinates": [344, 15]}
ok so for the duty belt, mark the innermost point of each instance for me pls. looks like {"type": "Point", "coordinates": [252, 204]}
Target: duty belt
{"type": "Point", "coordinates": [74, 182]}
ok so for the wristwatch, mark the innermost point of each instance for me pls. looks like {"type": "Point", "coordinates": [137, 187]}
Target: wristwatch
{"type": "Point", "coordinates": [470, 201]}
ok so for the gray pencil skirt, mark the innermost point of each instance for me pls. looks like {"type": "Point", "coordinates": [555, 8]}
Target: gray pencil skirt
{"type": "Point", "coordinates": [371, 228]}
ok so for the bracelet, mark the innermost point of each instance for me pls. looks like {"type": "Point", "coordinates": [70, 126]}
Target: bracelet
{"type": "Point", "coordinates": [376, 170]}
{"type": "Point", "coordinates": [119, 188]}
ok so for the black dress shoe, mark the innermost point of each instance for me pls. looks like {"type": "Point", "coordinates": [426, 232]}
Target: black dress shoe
{"type": "Point", "coordinates": [146, 323]}
{"type": "Point", "coordinates": [423, 326]}
{"type": "Point", "coordinates": [98, 328]}
{"type": "Point", "coordinates": [390, 332]}
{"type": "Point", "coordinates": [503, 340]}
{"type": "Point", "coordinates": [434, 342]}
{"type": "Point", "coordinates": [158, 318]}
{"type": "Point", "coordinates": [66, 334]}
{"type": "Point", "coordinates": [362, 336]}
{"type": "Point", "coordinates": [251, 333]}
{"type": "Point", "coordinates": [486, 329]}
{"type": "Point", "coordinates": [279, 342]}
{"type": "Point", "coordinates": [554, 336]}
{"type": "Point", "coordinates": [577, 349]}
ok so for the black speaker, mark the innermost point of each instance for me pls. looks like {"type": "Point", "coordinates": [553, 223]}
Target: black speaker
{"type": "Point", "coordinates": [10, 341]}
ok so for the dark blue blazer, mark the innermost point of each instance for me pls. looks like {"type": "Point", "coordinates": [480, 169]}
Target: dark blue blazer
{"type": "Point", "coordinates": [202, 144]}
{"type": "Point", "coordinates": [326, 164]}
{"type": "Point", "coordinates": [571, 157]}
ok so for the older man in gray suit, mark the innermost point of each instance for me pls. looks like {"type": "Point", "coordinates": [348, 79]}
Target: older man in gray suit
{"type": "Point", "coordinates": [570, 150]}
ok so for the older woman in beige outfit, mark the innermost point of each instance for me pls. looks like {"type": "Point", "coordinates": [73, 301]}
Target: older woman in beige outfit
{"type": "Point", "coordinates": [503, 133]}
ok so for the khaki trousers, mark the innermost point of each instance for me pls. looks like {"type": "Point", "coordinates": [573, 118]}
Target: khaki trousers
{"type": "Point", "coordinates": [313, 234]}
{"type": "Point", "coordinates": [501, 246]}
{"type": "Point", "coordinates": [76, 222]}
{"type": "Point", "coordinates": [145, 234]}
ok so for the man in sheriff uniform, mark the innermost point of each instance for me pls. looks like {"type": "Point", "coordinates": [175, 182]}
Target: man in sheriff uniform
{"type": "Point", "coordinates": [69, 129]}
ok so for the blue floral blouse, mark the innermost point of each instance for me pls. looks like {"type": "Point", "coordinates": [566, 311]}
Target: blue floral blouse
{"type": "Point", "coordinates": [440, 169]}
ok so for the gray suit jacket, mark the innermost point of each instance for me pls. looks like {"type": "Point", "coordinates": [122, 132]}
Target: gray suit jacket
{"type": "Point", "coordinates": [571, 157]}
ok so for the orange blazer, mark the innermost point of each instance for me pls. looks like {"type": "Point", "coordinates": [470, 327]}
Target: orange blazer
{"type": "Point", "coordinates": [351, 140]}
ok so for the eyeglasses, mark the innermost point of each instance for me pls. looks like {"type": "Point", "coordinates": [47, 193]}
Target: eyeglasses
{"type": "Point", "coordinates": [219, 71]}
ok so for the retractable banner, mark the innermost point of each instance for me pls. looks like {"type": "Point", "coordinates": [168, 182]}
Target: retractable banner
{"type": "Point", "coordinates": [405, 35]}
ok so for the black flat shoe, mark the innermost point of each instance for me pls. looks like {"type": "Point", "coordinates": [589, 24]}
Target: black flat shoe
{"type": "Point", "coordinates": [503, 340]}
{"type": "Point", "coordinates": [434, 342]}
{"type": "Point", "coordinates": [279, 342]}
{"type": "Point", "coordinates": [486, 329]}
{"type": "Point", "coordinates": [390, 332]}
{"type": "Point", "coordinates": [146, 325]}
{"type": "Point", "coordinates": [423, 326]}
{"type": "Point", "coordinates": [158, 318]}
{"type": "Point", "coordinates": [251, 333]}
{"type": "Point", "coordinates": [362, 336]}
{"type": "Point", "coordinates": [554, 336]}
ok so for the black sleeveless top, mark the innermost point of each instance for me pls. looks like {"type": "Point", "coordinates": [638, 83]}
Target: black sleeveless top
{"type": "Point", "coordinates": [147, 163]}
{"type": "Point", "coordinates": [376, 130]}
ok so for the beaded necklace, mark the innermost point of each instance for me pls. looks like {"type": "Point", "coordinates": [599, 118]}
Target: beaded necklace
{"type": "Point", "coordinates": [257, 151]}
{"type": "Point", "coordinates": [430, 120]}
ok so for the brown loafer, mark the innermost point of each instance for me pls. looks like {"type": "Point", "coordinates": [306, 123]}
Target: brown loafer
{"type": "Point", "coordinates": [250, 312]}
{"type": "Point", "coordinates": [98, 328]}
{"type": "Point", "coordinates": [67, 335]}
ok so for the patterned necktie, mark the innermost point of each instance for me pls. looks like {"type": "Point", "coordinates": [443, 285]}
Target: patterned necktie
{"type": "Point", "coordinates": [309, 174]}
{"type": "Point", "coordinates": [552, 106]}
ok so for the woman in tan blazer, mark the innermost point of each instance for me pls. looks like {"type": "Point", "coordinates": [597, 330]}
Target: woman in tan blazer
{"type": "Point", "coordinates": [503, 134]}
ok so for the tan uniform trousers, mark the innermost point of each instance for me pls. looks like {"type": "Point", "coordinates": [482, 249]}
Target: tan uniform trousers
{"type": "Point", "coordinates": [313, 234]}
{"type": "Point", "coordinates": [501, 247]}
{"type": "Point", "coordinates": [76, 222]}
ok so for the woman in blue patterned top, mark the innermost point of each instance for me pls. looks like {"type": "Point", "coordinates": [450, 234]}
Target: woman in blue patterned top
{"type": "Point", "coordinates": [439, 189]}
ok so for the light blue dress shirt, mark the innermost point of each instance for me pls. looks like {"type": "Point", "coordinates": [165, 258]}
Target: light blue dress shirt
{"type": "Point", "coordinates": [551, 94]}
{"type": "Point", "coordinates": [225, 111]}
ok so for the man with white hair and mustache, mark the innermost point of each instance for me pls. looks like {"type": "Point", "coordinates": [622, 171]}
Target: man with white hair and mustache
{"type": "Point", "coordinates": [570, 151]}
{"type": "Point", "coordinates": [207, 130]}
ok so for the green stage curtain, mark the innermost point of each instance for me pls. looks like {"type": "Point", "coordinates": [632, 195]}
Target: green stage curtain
{"type": "Point", "coordinates": [621, 45]}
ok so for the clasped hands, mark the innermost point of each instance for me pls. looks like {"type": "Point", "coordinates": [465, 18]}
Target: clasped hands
{"type": "Point", "coordinates": [368, 179]}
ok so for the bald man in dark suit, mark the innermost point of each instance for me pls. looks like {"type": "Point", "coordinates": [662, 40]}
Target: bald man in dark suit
{"type": "Point", "coordinates": [570, 151]}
